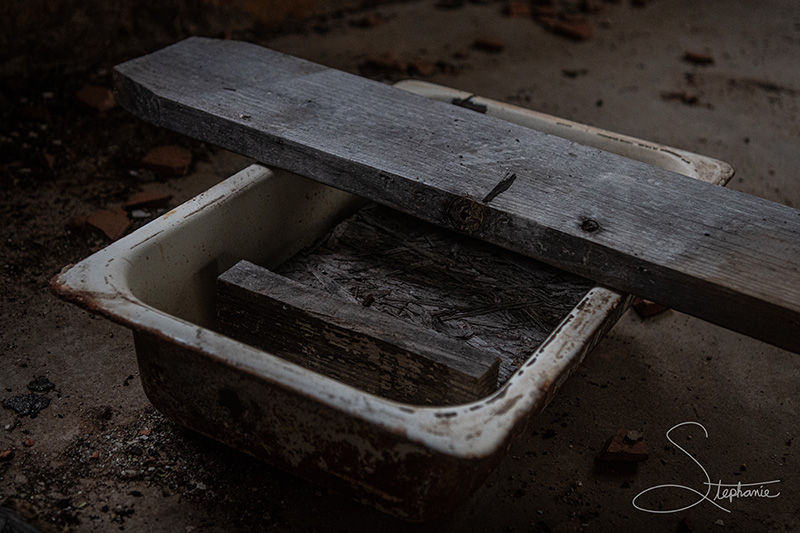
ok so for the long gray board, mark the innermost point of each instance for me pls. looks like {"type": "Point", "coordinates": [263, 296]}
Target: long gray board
{"type": "Point", "coordinates": [717, 254]}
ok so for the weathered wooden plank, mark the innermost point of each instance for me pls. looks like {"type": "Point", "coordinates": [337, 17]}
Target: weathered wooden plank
{"type": "Point", "coordinates": [718, 254]}
{"type": "Point", "coordinates": [359, 346]}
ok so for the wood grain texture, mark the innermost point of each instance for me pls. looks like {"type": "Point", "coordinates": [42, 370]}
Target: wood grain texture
{"type": "Point", "coordinates": [359, 346]}
{"type": "Point", "coordinates": [494, 300]}
{"type": "Point", "coordinates": [717, 254]}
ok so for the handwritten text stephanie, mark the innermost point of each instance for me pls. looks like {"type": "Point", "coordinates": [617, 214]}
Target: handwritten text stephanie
{"type": "Point", "coordinates": [721, 491]}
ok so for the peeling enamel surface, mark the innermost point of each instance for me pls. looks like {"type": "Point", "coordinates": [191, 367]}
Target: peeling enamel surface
{"type": "Point", "coordinates": [160, 282]}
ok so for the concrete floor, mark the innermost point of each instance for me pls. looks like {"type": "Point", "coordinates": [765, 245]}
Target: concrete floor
{"type": "Point", "coordinates": [648, 375]}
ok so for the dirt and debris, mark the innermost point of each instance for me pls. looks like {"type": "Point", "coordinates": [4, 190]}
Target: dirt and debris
{"type": "Point", "coordinates": [569, 19]}
{"type": "Point", "coordinates": [389, 67]}
{"type": "Point", "coordinates": [386, 63]}
{"type": "Point", "coordinates": [165, 462]}
{"type": "Point", "coordinates": [573, 27]}
{"type": "Point", "coordinates": [687, 97]}
{"type": "Point", "coordinates": [41, 384]}
{"type": "Point", "coordinates": [625, 447]}
{"type": "Point", "coordinates": [27, 404]}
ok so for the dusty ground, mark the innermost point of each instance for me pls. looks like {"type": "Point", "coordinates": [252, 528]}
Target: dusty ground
{"type": "Point", "coordinates": [98, 457]}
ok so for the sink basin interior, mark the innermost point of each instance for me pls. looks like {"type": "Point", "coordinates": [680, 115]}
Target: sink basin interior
{"type": "Point", "coordinates": [175, 270]}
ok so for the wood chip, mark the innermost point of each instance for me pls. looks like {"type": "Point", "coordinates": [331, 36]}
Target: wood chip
{"type": "Point", "coordinates": [169, 160]}
{"type": "Point", "coordinates": [101, 99]}
{"type": "Point", "coordinates": [113, 223]}
{"type": "Point", "coordinates": [6, 455]}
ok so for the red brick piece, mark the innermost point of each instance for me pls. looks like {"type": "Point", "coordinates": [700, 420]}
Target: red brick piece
{"type": "Point", "coordinates": [148, 198]}
{"type": "Point", "coordinates": [101, 99]}
{"type": "Point", "coordinates": [48, 159]}
{"type": "Point", "coordinates": [518, 8]}
{"type": "Point", "coordinates": [421, 68]}
{"type": "Point", "coordinates": [489, 45]}
{"type": "Point", "coordinates": [113, 223]}
{"type": "Point", "coordinates": [577, 28]}
{"type": "Point", "coordinates": [647, 309]}
{"type": "Point", "coordinates": [625, 447]}
{"type": "Point", "coordinates": [169, 160]}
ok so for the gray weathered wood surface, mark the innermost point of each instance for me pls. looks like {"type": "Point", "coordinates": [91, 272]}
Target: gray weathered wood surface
{"type": "Point", "coordinates": [718, 254]}
{"type": "Point", "coordinates": [349, 342]}
{"type": "Point", "coordinates": [495, 300]}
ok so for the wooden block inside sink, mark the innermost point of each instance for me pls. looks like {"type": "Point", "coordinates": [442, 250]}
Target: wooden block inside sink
{"type": "Point", "coordinates": [350, 342]}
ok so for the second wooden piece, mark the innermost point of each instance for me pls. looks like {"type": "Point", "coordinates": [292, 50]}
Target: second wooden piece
{"type": "Point", "coordinates": [382, 355]}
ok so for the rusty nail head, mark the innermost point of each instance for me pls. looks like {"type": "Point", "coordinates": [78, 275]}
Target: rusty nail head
{"type": "Point", "coordinates": [590, 225]}
{"type": "Point", "coordinates": [466, 215]}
